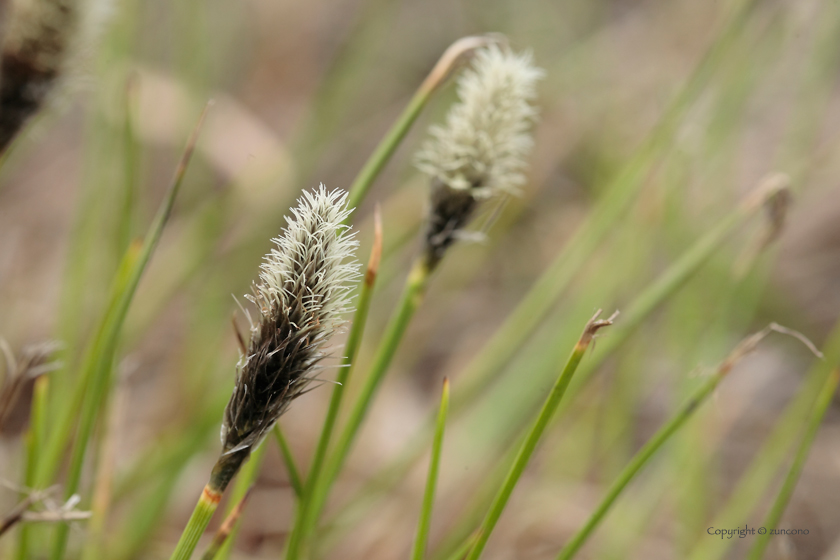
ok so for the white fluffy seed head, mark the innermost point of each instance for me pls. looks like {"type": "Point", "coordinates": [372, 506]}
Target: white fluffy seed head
{"type": "Point", "coordinates": [310, 261]}
{"type": "Point", "coordinates": [302, 294]}
{"type": "Point", "coordinates": [486, 139]}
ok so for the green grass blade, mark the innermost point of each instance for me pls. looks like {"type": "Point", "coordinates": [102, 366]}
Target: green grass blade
{"type": "Point", "coordinates": [764, 466]}
{"type": "Point", "coordinates": [34, 440]}
{"type": "Point", "coordinates": [411, 298]}
{"type": "Point", "coordinates": [291, 466]}
{"type": "Point", "coordinates": [697, 398]}
{"type": "Point", "coordinates": [226, 536]}
{"type": "Point", "coordinates": [420, 541]}
{"type": "Point", "coordinates": [532, 439]}
{"type": "Point", "coordinates": [226, 531]}
{"type": "Point", "coordinates": [775, 515]}
{"type": "Point", "coordinates": [346, 369]}
{"type": "Point", "coordinates": [95, 379]}
{"type": "Point", "coordinates": [97, 360]}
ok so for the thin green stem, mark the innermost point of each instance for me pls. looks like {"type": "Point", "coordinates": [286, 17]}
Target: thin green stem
{"type": "Point", "coordinates": [411, 298]}
{"type": "Point", "coordinates": [289, 460]}
{"type": "Point", "coordinates": [244, 481]}
{"type": "Point", "coordinates": [200, 518]}
{"type": "Point", "coordinates": [388, 145]}
{"type": "Point", "coordinates": [386, 148]}
{"type": "Point", "coordinates": [98, 359]}
{"type": "Point", "coordinates": [420, 541]}
{"type": "Point", "coordinates": [96, 375]}
{"type": "Point", "coordinates": [639, 460]}
{"type": "Point", "coordinates": [774, 516]}
{"type": "Point", "coordinates": [34, 440]}
{"type": "Point", "coordinates": [532, 439]}
{"type": "Point", "coordinates": [346, 369]}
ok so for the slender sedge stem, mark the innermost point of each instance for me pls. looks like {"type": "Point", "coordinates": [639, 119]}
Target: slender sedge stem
{"type": "Point", "coordinates": [96, 377]}
{"type": "Point", "coordinates": [420, 541]}
{"type": "Point", "coordinates": [34, 440]}
{"type": "Point", "coordinates": [764, 467]}
{"type": "Point", "coordinates": [388, 145]}
{"type": "Point", "coordinates": [465, 547]}
{"type": "Point", "coordinates": [533, 438]}
{"type": "Point", "coordinates": [618, 197]}
{"type": "Point", "coordinates": [346, 369]}
{"type": "Point", "coordinates": [96, 362]}
{"type": "Point", "coordinates": [663, 435]}
{"type": "Point", "coordinates": [412, 296]}
{"type": "Point", "coordinates": [774, 516]}
{"type": "Point", "coordinates": [289, 459]}
{"type": "Point", "coordinates": [639, 460]}
{"type": "Point", "coordinates": [200, 518]}
{"type": "Point", "coordinates": [222, 546]}
{"type": "Point", "coordinates": [674, 277]}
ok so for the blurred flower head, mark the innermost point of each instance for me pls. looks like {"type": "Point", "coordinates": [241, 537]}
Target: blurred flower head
{"type": "Point", "coordinates": [41, 40]}
{"type": "Point", "coordinates": [482, 149]}
{"type": "Point", "coordinates": [484, 144]}
{"type": "Point", "coordinates": [302, 293]}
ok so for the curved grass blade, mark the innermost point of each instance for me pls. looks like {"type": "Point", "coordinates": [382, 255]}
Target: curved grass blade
{"type": "Point", "coordinates": [654, 444]}
{"type": "Point", "coordinates": [94, 381]}
{"type": "Point", "coordinates": [410, 300]}
{"type": "Point", "coordinates": [766, 463]}
{"type": "Point", "coordinates": [346, 369]}
{"type": "Point", "coordinates": [229, 527]}
{"type": "Point", "coordinates": [420, 541]}
{"type": "Point", "coordinates": [532, 439]}
{"type": "Point", "coordinates": [775, 515]}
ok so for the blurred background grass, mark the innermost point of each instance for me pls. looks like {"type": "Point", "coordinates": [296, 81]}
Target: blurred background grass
{"type": "Point", "coordinates": [303, 93]}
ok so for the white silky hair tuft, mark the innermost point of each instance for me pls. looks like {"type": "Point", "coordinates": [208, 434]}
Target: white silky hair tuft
{"type": "Point", "coordinates": [310, 260]}
{"type": "Point", "coordinates": [486, 138]}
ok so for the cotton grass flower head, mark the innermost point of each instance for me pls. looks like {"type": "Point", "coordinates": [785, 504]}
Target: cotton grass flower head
{"type": "Point", "coordinates": [481, 151]}
{"type": "Point", "coordinates": [42, 39]}
{"type": "Point", "coordinates": [302, 294]}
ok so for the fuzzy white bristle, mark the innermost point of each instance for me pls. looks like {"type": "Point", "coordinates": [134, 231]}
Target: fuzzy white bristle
{"type": "Point", "coordinates": [487, 133]}
{"type": "Point", "coordinates": [311, 261]}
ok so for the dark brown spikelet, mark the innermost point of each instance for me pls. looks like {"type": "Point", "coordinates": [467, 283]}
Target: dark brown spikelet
{"type": "Point", "coordinates": [36, 43]}
{"type": "Point", "coordinates": [302, 293]}
{"type": "Point", "coordinates": [450, 211]}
